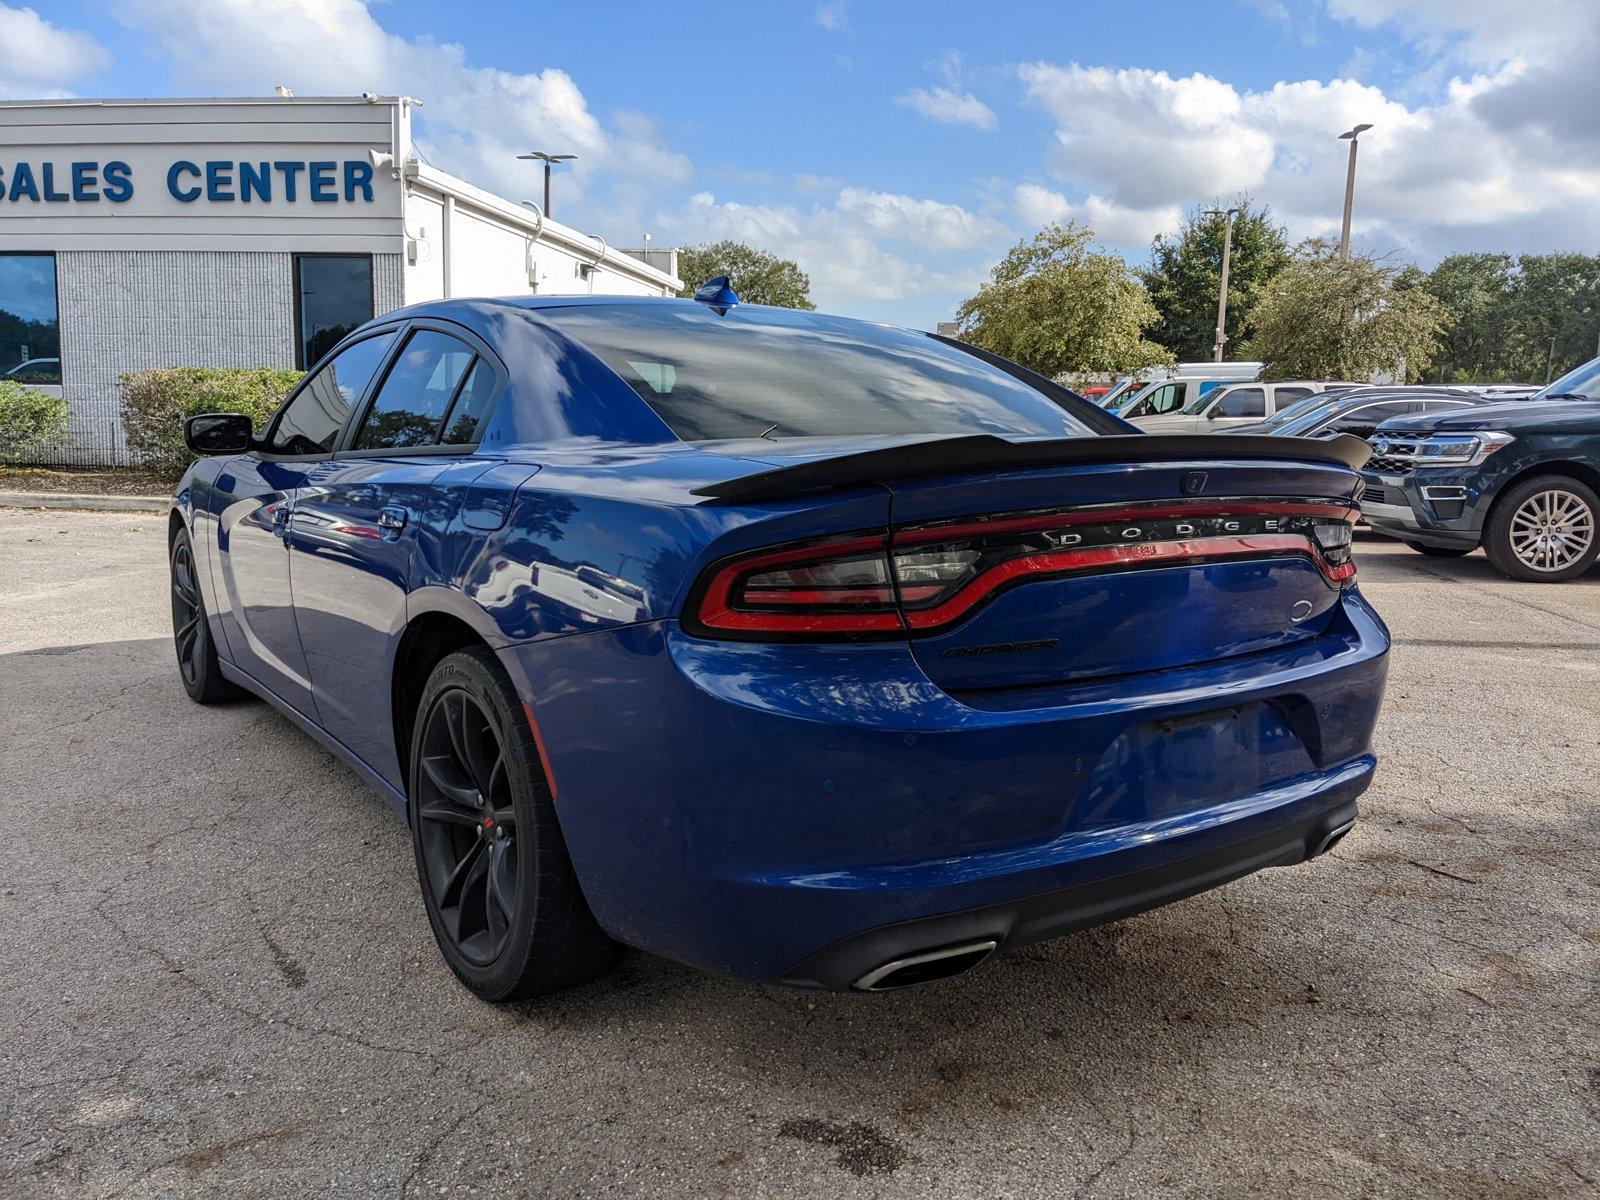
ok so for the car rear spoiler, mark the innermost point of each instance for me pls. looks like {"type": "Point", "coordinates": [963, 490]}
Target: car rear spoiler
{"type": "Point", "coordinates": [968, 453]}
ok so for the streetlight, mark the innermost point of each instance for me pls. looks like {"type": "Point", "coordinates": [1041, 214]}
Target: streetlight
{"type": "Point", "coordinates": [1222, 295]}
{"type": "Point", "coordinates": [549, 160]}
{"type": "Point", "coordinates": [1353, 136]}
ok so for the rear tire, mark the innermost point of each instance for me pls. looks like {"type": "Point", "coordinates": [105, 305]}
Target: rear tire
{"type": "Point", "coordinates": [1441, 551]}
{"type": "Point", "coordinates": [1544, 530]}
{"type": "Point", "coordinates": [498, 884]}
{"type": "Point", "coordinates": [191, 631]}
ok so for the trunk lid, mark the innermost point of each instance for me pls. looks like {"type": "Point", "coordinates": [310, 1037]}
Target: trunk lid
{"type": "Point", "coordinates": [1117, 568]}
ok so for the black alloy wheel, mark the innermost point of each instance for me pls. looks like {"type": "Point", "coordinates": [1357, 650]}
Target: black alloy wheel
{"type": "Point", "coordinates": [187, 614]}
{"type": "Point", "coordinates": [497, 881]}
{"type": "Point", "coordinates": [467, 825]}
{"type": "Point", "coordinates": [191, 635]}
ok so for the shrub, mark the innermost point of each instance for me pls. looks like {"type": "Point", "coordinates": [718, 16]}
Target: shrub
{"type": "Point", "coordinates": [29, 418]}
{"type": "Point", "coordinates": [155, 405]}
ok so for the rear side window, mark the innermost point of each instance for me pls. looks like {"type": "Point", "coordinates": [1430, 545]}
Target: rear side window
{"type": "Point", "coordinates": [1243, 402]}
{"type": "Point", "coordinates": [1286, 396]}
{"type": "Point", "coordinates": [410, 406]}
{"type": "Point", "coordinates": [463, 426]}
{"type": "Point", "coordinates": [318, 412]}
{"type": "Point", "coordinates": [775, 373]}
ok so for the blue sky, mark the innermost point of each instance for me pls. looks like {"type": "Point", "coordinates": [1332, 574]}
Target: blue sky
{"type": "Point", "coordinates": [895, 148]}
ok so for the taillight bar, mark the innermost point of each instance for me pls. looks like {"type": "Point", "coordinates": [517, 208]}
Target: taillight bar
{"type": "Point", "coordinates": [1153, 554]}
{"type": "Point", "coordinates": [923, 579]}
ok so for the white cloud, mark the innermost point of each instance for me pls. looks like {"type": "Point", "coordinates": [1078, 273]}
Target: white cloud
{"type": "Point", "coordinates": [929, 224]}
{"type": "Point", "coordinates": [950, 107]}
{"type": "Point", "coordinates": [1113, 223]}
{"type": "Point", "coordinates": [1146, 136]}
{"type": "Point", "coordinates": [831, 16]}
{"type": "Point", "coordinates": [1541, 54]}
{"type": "Point", "coordinates": [1480, 162]}
{"type": "Point", "coordinates": [845, 245]}
{"type": "Point", "coordinates": [475, 120]}
{"type": "Point", "coordinates": [39, 60]}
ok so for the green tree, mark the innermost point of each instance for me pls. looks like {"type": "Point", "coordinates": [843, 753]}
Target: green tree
{"type": "Point", "coordinates": [1325, 317]}
{"type": "Point", "coordinates": [758, 277]}
{"type": "Point", "coordinates": [1476, 291]}
{"type": "Point", "coordinates": [1059, 306]}
{"type": "Point", "coordinates": [1553, 315]}
{"type": "Point", "coordinates": [1185, 274]}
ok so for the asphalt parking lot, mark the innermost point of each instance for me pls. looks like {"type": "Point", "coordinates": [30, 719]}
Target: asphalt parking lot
{"type": "Point", "coordinates": [218, 978]}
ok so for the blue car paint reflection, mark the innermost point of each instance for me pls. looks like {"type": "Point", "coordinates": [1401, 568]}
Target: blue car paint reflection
{"type": "Point", "coordinates": [748, 806]}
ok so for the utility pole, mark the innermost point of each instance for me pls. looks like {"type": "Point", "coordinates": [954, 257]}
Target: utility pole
{"type": "Point", "coordinates": [1222, 294]}
{"type": "Point", "coordinates": [1353, 136]}
{"type": "Point", "coordinates": [549, 160]}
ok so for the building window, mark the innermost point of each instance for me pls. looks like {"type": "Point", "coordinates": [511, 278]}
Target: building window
{"type": "Point", "coordinates": [30, 331]}
{"type": "Point", "coordinates": [332, 296]}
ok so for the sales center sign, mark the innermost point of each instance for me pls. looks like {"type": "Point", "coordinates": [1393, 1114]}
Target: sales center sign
{"type": "Point", "coordinates": [217, 181]}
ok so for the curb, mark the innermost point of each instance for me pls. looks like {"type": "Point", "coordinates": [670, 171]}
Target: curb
{"type": "Point", "coordinates": [83, 501]}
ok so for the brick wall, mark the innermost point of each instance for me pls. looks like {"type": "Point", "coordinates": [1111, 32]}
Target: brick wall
{"type": "Point", "coordinates": [127, 311]}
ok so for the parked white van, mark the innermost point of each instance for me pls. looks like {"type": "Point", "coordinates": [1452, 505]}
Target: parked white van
{"type": "Point", "coordinates": [1220, 409]}
{"type": "Point", "coordinates": [1169, 392]}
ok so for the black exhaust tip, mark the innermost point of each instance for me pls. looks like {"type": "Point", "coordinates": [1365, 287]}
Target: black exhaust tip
{"type": "Point", "coordinates": [925, 968]}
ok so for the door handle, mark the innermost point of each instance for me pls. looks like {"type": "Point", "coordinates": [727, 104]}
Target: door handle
{"type": "Point", "coordinates": [392, 517]}
{"type": "Point", "coordinates": [280, 521]}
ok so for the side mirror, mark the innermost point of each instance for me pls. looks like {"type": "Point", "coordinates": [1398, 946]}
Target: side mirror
{"type": "Point", "coordinates": [1213, 412]}
{"type": "Point", "coordinates": [217, 433]}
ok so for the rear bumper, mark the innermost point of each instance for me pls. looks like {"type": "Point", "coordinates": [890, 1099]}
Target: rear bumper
{"type": "Point", "coordinates": [1305, 831]}
{"type": "Point", "coordinates": [784, 812]}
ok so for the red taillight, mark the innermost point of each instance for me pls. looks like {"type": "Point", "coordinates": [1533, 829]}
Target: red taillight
{"type": "Point", "coordinates": [922, 579]}
{"type": "Point", "coordinates": [833, 587]}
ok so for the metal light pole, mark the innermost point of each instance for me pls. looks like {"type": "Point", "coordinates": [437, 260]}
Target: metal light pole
{"type": "Point", "coordinates": [1353, 136]}
{"type": "Point", "coordinates": [549, 160]}
{"type": "Point", "coordinates": [1222, 294]}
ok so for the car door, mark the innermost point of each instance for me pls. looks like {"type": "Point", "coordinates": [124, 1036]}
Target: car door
{"type": "Point", "coordinates": [1237, 406]}
{"type": "Point", "coordinates": [1160, 408]}
{"type": "Point", "coordinates": [1363, 419]}
{"type": "Point", "coordinates": [257, 492]}
{"type": "Point", "coordinates": [359, 525]}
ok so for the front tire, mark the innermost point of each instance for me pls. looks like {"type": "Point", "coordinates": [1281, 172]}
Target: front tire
{"type": "Point", "coordinates": [1543, 530]}
{"type": "Point", "coordinates": [191, 632]}
{"type": "Point", "coordinates": [498, 884]}
{"type": "Point", "coordinates": [1441, 551]}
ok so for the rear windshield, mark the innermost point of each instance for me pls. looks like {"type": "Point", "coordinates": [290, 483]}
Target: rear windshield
{"type": "Point", "coordinates": [776, 373]}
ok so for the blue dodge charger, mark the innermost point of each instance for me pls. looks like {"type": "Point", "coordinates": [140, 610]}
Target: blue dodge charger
{"type": "Point", "coordinates": [791, 647]}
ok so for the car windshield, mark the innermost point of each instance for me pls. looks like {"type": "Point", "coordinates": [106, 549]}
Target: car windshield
{"type": "Point", "coordinates": [1135, 391]}
{"type": "Point", "coordinates": [1118, 395]}
{"type": "Point", "coordinates": [775, 373]}
{"type": "Point", "coordinates": [1309, 418]}
{"type": "Point", "coordinates": [1580, 384]}
{"type": "Point", "coordinates": [1300, 408]}
{"type": "Point", "coordinates": [1203, 397]}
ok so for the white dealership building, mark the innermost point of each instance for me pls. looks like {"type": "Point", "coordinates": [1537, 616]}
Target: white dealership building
{"type": "Point", "coordinates": [137, 234]}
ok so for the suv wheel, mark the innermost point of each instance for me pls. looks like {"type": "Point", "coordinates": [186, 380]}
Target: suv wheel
{"type": "Point", "coordinates": [1543, 530]}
